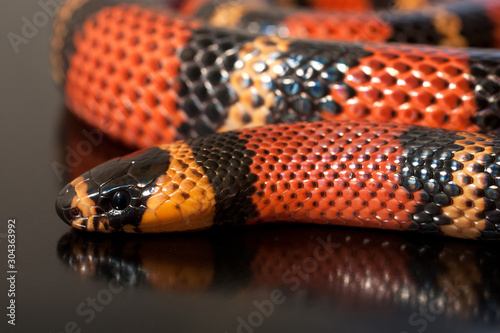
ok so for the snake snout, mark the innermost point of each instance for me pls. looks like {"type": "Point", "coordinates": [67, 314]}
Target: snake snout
{"type": "Point", "coordinates": [64, 207]}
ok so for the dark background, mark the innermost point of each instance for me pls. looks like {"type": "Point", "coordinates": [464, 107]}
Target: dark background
{"type": "Point", "coordinates": [52, 283]}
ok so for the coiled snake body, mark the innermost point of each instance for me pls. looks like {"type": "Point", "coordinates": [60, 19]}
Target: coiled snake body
{"type": "Point", "coordinates": [146, 78]}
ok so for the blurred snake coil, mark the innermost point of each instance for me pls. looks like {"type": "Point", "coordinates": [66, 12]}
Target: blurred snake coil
{"type": "Point", "coordinates": [253, 125]}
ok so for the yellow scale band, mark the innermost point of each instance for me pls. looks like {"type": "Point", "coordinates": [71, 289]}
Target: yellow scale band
{"type": "Point", "coordinates": [254, 52]}
{"type": "Point", "coordinates": [450, 26]}
{"type": "Point", "coordinates": [228, 15]}
{"type": "Point", "coordinates": [183, 195]}
{"type": "Point", "coordinates": [410, 4]}
{"type": "Point", "coordinates": [466, 207]}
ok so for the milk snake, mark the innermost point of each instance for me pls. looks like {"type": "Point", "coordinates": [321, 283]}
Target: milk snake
{"type": "Point", "coordinates": [277, 129]}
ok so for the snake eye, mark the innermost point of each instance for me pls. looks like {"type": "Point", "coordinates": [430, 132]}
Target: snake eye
{"type": "Point", "coordinates": [121, 200]}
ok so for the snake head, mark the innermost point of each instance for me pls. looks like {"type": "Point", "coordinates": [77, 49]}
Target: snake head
{"type": "Point", "coordinates": [113, 196]}
{"type": "Point", "coordinates": [160, 189]}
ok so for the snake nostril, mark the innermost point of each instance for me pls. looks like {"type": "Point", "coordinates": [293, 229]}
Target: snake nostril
{"type": "Point", "coordinates": [75, 212]}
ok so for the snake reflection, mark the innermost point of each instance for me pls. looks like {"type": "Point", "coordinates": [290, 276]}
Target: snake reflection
{"type": "Point", "coordinates": [350, 268]}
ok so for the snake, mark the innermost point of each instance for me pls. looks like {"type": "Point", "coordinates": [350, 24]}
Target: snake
{"type": "Point", "coordinates": [240, 128]}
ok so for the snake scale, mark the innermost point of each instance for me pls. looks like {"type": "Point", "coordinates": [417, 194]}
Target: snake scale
{"type": "Point", "coordinates": [249, 127]}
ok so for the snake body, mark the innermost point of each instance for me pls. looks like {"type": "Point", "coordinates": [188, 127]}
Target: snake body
{"type": "Point", "coordinates": [362, 174]}
{"type": "Point", "coordinates": [461, 24]}
{"type": "Point", "coordinates": [145, 77]}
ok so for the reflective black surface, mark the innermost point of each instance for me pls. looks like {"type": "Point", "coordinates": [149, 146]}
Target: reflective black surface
{"type": "Point", "coordinates": [279, 278]}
